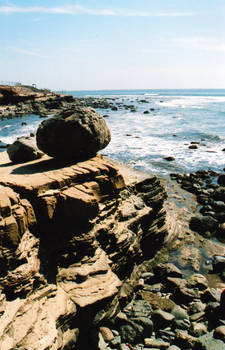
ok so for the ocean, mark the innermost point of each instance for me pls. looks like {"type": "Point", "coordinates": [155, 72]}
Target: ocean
{"type": "Point", "coordinates": [176, 118]}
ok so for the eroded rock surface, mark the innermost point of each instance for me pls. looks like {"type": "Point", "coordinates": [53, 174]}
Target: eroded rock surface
{"type": "Point", "coordinates": [70, 235]}
{"type": "Point", "coordinates": [73, 134]}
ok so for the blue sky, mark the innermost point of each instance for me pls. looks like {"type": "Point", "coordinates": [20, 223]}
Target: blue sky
{"type": "Point", "coordinates": [75, 45]}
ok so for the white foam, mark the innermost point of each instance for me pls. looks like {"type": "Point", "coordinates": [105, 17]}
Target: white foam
{"type": "Point", "coordinates": [190, 101]}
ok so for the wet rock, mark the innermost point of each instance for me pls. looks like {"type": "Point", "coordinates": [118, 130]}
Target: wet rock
{"type": "Point", "coordinates": [208, 342]}
{"type": "Point", "coordinates": [218, 206]}
{"type": "Point", "coordinates": [185, 340]}
{"type": "Point", "coordinates": [74, 134]}
{"type": "Point", "coordinates": [173, 347]}
{"type": "Point", "coordinates": [147, 325]}
{"type": "Point", "coordinates": [218, 263]}
{"type": "Point", "coordinates": [199, 329]}
{"type": "Point", "coordinates": [198, 281]}
{"type": "Point", "coordinates": [146, 112]}
{"type": "Point", "coordinates": [182, 324]}
{"type": "Point", "coordinates": [24, 149]}
{"type": "Point", "coordinates": [162, 319]}
{"type": "Point", "coordinates": [179, 313]}
{"type": "Point", "coordinates": [123, 346]}
{"type": "Point", "coordinates": [162, 271]}
{"type": "Point", "coordinates": [219, 333]}
{"type": "Point", "coordinates": [137, 309]}
{"type": "Point", "coordinates": [114, 108]}
{"type": "Point", "coordinates": [197, 307]}
{"type": "Point", "coordinates": [156, 343]}
{"type": "Point", "coordinates": [221, 180]}
{"type": "Point", "coordinates": [197, 316]}
{"type": "Point", "coordinates": [169, 159]}
{"type": "Point", "coordinates": [193, 147]}
{"type": "Point", "coordinates": [131, 333]}
{"type": "Point", "coordinates": [202, 224]}
{"type": "Point", "coordinates": [180, 292]}
{"type": "Point", "coordinates": [219, 194]}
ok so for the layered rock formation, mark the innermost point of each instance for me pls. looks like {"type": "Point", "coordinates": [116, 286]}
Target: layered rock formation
{"type": "Point", "coordinates": [19, 100]}
{"type": "Point", "coordinates": [70, 236]}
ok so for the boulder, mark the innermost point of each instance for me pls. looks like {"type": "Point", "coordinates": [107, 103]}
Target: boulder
{"type": "Point", "coordinates": [73, 134]}
{"type": "Point", "coordinates": [221, 180]}
{"type": "Point", "coordinates": [24, 149]}
{"type": "Point", "coordinates": [202, 224]}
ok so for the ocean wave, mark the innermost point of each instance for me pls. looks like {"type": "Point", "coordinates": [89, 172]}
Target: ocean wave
{"type": "Point", "coordinates": [190, 101]}
{"type": "Point", "coordinates": [148, 94]}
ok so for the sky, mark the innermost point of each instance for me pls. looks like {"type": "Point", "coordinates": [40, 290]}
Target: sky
{"type": "Point", "coordinates": [99, 44]}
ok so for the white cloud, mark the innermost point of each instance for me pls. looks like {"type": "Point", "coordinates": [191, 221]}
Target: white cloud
{"type": "Point", "coordinates": [201, 43]}
{"type": "Point", "coordinates": [76, 10]}
{"type": "Point", "coordinates": [26, 52]}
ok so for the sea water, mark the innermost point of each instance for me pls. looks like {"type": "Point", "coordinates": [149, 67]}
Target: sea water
{"type": "Point", "coordinates": [176, 118]}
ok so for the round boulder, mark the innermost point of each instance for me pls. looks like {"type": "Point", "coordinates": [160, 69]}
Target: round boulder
{"type": "Point", "coordinates": [202, 224]}
{"type": "Point", "coordinates": [73, 134]}
{"type": "Point", "coordinates": [24, 149]}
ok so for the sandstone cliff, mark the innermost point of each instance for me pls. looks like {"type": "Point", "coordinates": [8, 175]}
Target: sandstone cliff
{"type": "Point", "coordinates": [70, 235]}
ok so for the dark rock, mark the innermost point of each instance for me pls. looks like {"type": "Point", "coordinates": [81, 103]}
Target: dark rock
{"type": "Point", "coordinates": [218, 263]}
{"type": "Point", "coordinates": [114, 108]}
{"type": "Point", "coordinates": [173, 347]}
{"type": "Point", "coordinates": [162, 319]}
{"type": "Point", "coordinates": [219, 194]}
{"type": "Point", "coordinates": [179, 313]}
{"type": "Point", "coordinates": [147, 325]}
{"type": "Point", "coordinates": [180, 292]}
{"type": "Point", "coordinates": [24, 149]}
{"type": "Point", "coordinates": [221, 180]}
{"type": "Point", "coordinates": [162, 271]}
{"type": "Point", "coordinates": [23, 123]}
{"type": "Point", "coordinates": [146, 112]}
{"type": "Point", "coordinates": [198, 281]}
{"type": "Point", "coordinates": [198, 329]}
{"type": "Point", "coordinates": [169, 159]}
{"type": "Point", "coordinates": [182, 324]}
{"type": "Point", "coordinates": [202, 224]}
{"type": "Point", "coordinates": [208, 342]}
{"type": "Point", "coordinates": [76, 134]}
{"type": "Point", "coordinates": [131, 333]}
{"type": "Point", "coordinates": [193, 147]}
{"type": "Point", "coordinates": [218, 205]}
{"type": "Point", "coordinates": [184, 340]}
{"type": "Point", "coordinates": [219, 333]}
{"type": "Point", "coordinates": [137, 309]}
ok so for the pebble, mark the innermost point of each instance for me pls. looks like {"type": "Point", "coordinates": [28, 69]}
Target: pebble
{"type": "Point", "coordinates": [156, 343]}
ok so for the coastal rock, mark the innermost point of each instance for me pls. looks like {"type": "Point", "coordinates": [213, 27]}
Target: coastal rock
{"type": "Point", "coordinates": [221, 180]}
{"type": "Point", "coordinates": [24, 149]}
{"type": "Point", "coordinates": [208, 342]}
{"type": "Point", "coordinates": [202, 224]}
{"type": "Point", "coordinates": [62, 271]}
{"type": "Point", "coordinates": [74, 134]}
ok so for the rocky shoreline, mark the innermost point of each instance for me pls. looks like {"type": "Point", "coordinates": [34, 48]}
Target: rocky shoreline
{"type": "Point", "coordinates": [95, 255]}
{"type": "Point", "coordinates": [18, 100]}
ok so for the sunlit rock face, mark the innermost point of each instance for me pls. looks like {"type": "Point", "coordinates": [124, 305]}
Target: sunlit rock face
{"type": "Point", "coordinates": [70, 234]}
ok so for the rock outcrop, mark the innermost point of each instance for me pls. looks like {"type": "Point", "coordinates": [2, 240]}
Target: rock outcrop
{"type": "Point", "coordinates": [24, 149]}
{"type": "Point", "coordinates": [73, 134]}
{"type": "Point", "coordinates": [70, 236]}
{"type": "Point", "coordinates": [19, 100]}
